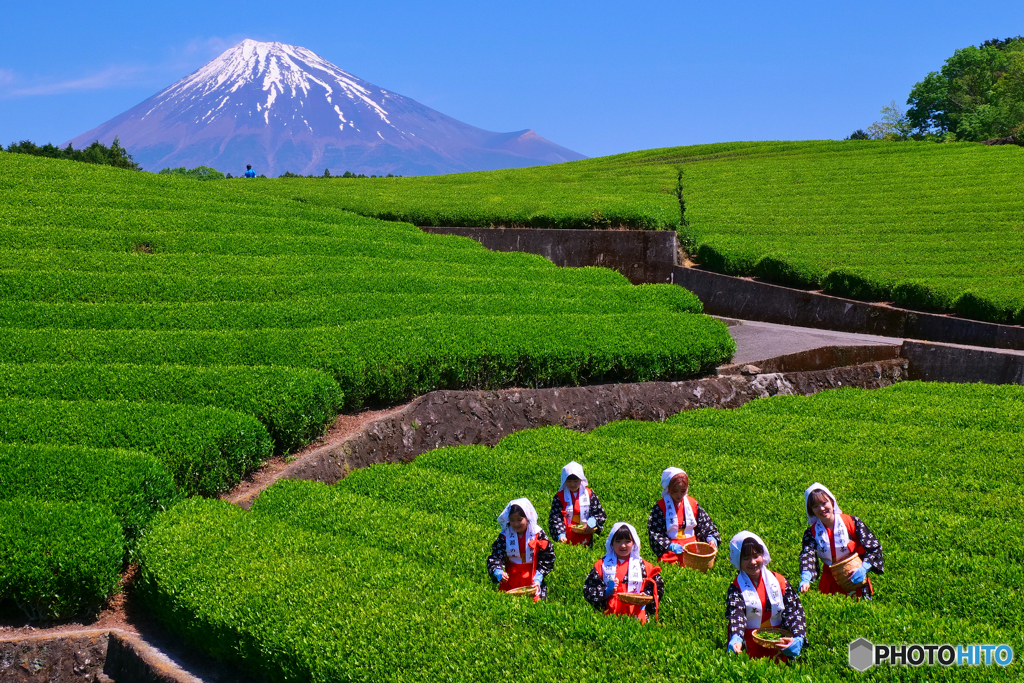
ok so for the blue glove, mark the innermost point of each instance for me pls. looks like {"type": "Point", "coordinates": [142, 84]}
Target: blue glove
{"type": "Point", "coordinates": [805, 579]}
{"type": "Point", "coordinates": [793, 650]}
{"type": "Point", "coordinates": [861, 573]}
{"type": "Point", "coordinates": [609, 587]}
{"type": "Point", "coordinates": [562, 538]}
{"type": "Point", "coordinates": [675, 547]}
{"type": "Point", "coordinates": [538, 578]}
{"type": "Point", "coordinates": [591, 522]}
{"type": "Point", "coordinates": [497, 574]}
{"type": "Point", "coordinates": [735, 640]}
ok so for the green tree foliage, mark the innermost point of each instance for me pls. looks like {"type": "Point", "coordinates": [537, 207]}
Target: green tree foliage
{"type": "Point", "coordinates": [197, 173]}
{"type": "Point", "coordinates": [96, 153]}
{"type": "Point", "coordinates": [977, 95]}
{"type": "Point", "coordinates": [894, 125]}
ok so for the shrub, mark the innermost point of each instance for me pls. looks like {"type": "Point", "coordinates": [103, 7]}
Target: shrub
{"type": "Point", "coordinates": [207, 450]}
{"type": "Point", "coordinates": [58, 559]}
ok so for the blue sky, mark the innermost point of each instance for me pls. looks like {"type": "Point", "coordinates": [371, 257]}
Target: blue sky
{"type": "Point", "coordinates": [596, 77]}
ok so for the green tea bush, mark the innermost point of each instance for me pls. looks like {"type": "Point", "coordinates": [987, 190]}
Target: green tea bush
{"type": "Point", "coordinates": [207, 450]}
{"type": "Point", "coordinates": [391, 360]}
{"type": "Point", "coordinates": [295, 405]}
{"type": "Point", "coordinates": [383, 575]}
{"type": "Point", "coordinates": [58, 559]}
{"type": "Point", "coordinates": [130, 484]}
{"type": "Point", "coordinates": [343, 309]}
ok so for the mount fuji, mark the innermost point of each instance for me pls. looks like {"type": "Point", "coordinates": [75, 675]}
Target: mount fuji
{"type": "Point", "coordinates": [283, 108]}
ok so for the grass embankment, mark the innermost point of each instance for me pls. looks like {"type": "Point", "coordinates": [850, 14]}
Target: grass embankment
{"type": "Point", "coordinates": [204, 327]}
{"type": "Point", "coordinates": [927, 226]}
{"type": "Point", "coordinates": [383, 575]}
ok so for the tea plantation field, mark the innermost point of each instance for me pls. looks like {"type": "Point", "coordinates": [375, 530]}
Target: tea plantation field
{"type": "Point", "coordinates": [927, 226]}
{"type": "Point", "coordinates": [383, 576]}
{"type": "Point", "coordinates": [162, 337]}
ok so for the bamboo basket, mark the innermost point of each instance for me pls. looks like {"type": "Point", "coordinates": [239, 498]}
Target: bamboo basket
{"type": "Point", "coordinates": [582, 529]}
{"type": "Point", "coordinates": [523, 590]}
{"type": "Point", "coordinates": [635, 598]}
{"type": "Point", "coordinates": [844, 569]}
{"type": "Point", "coordinates": [771, 644]}
{"type": "Point", "coordinates": [699, 556]}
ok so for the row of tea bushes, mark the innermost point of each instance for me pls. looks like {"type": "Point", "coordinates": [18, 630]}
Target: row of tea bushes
{"type": "Point", "coordinates": [392, 360]}
{"type": "Point", "coordinates": [383, 574]}
{"type": "Point", "coordinates": [206, 449]}
{"type": "Point", "coordinates": [341, 309]}
{"type": "Point", "coordinates": [294, 404]}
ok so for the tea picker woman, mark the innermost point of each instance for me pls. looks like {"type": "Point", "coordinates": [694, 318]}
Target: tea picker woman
{"type": "Point", "coordinates": [760, 598]}
{"type": "Point", "coordinates": [521, 555]}
{"type": "Point", "coordinates": [677, 520]}
{"type": "Point", "coordinates": [622, 570]}
{"type": "Point", "coordinates": [831, 537]}
{"type": "Point", "coordinates": [575, 504]}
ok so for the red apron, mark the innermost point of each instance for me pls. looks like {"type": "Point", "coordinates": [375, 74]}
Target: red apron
{"type": "Point", "coordinates": [521, 574]}
{"type": "Point", "coordinates": [621, 572]}
{"type": "Point", "coordinates": [571, 536]}
{"type": "Point", "coordinates": [670, 557]}
{"type": "Point", "coordinates": [755, 651]}
{"type": "Point", "coordinates": [827, 584]}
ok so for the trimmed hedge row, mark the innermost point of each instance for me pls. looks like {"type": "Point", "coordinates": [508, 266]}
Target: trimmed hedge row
{"type": "Point", "coordinates": [58, 558]}
{"type": "Point", "coordinates": [387, 361]}
{"type": "Point", "coordinates": [132, 485]}
{"type": "Point", "coordinates": [340, 310]}
{"type": "Point", "coordinates": [149, 288]}
{"type": "Point", "coordinates": [207, 450]}
{"type": "Point", "coordinates": [294, 404]}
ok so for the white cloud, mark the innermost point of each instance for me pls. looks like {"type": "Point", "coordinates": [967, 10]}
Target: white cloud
{"type": "Point", "coordinates": [178, 61]}
{"type": "Point", "coordinates": [110, 77]}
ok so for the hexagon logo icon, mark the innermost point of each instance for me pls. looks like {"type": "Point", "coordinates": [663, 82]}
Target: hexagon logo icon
{"type": "Point", "coordinates": [862, 654]}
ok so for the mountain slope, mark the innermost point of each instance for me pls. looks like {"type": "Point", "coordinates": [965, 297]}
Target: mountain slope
{"type": "Point", "coordinates": [284, 108]}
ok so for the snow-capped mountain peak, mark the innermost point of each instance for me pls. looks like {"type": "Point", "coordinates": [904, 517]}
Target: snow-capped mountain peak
{"type": "Point", "coordinates": [284, 108]}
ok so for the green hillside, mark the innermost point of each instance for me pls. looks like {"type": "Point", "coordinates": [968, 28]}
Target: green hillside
{"type": "Point", "coordinates": [928, 226]}
{"type": "Point", "coordinates": [179, 333]}
{"type": "Point", "coordinates": [383, 576]}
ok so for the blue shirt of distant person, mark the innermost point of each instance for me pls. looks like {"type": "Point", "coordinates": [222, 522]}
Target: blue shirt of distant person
{"type": "Point", "coordinates": [249, 173]}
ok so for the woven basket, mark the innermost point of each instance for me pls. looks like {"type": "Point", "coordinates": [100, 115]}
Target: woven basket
{"type": "Point", "coordinates": [582, 529]}
{"type": "Point", "coordinates": [844, 569]}
{"type": "Point", "coordinates": [771, 644]}
{"type": "Point", "coordinates": [699, 556]}
{"type": "Point", "coordinates": [635, 598]}
{"type": "Point", "coordinates": [523, 590]}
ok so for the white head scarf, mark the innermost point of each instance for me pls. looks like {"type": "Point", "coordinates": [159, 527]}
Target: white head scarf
{"type": "Point", "coordinates": [671, 513]}
{"type": "Point", "coordinates": [583, 496]}
{"type": "Point", "coordinates": [773, 589]}
{"type": "Point", "coordinates": [512, 538]}
{"type": "Point", "coordinates": [737, 543]}
{"type": "Point", "coordinates": [839, 530]}
{"type": "Point", "coordinates": [634, 576]}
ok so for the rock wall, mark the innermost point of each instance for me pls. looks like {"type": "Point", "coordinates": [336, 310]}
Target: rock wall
{"type": "Point", "coordinates": [456, 418]}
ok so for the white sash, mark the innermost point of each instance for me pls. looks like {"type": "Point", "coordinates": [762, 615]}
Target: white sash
{"type": "Point", "coordinates": [842, 540]}
{"type": "Point", "coordinates": [752, 602]}
{"type": "Point", "coordinates": [584, 498]}
{"type": "Point", "coordinates": [512, 546]}
{"type": "Point", "coordinates": [634, 577]}
{"type": "Point", "coordinates": [672, 517]}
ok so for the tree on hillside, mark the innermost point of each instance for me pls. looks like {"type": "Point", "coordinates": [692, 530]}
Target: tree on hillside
{"type": "Point", "coordinates": [197, 173]}
{"type": "Point", "coordinates": [96, 153]}
{"type": "Point", "coordinates": [977, 95]}
{"type": "Point", "coordinates": [893, 126]}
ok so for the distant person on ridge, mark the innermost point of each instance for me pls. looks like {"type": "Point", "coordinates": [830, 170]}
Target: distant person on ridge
{"type": "Point", "coordinates": [249, 173]}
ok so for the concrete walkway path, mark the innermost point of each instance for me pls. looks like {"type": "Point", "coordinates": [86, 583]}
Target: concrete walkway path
{"type": "Point", "coordinates": [758, 341]}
